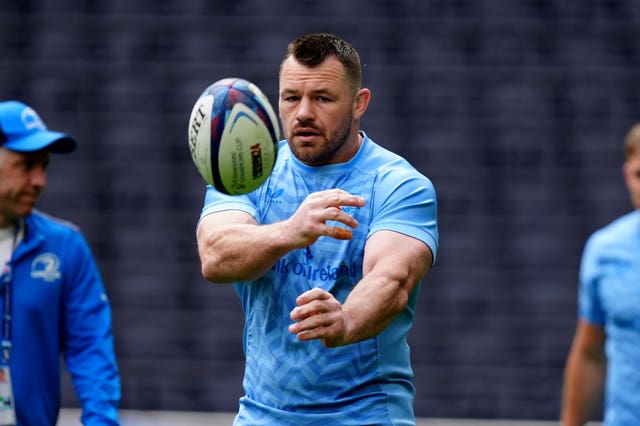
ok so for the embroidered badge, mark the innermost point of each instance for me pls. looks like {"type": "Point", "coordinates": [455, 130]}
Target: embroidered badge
{"type": "Point", "coordinates": [46, 266]}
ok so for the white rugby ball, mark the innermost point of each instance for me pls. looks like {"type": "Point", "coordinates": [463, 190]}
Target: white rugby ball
{"type": "Point", "coordinates": [233, 136]}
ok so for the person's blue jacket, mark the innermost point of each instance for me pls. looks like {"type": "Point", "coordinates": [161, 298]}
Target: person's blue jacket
{"type": "Point", "coordinates": [60, 308]}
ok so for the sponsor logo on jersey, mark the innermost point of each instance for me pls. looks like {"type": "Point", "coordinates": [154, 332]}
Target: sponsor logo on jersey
{"type": "Point", "coordinates": [314, 273]}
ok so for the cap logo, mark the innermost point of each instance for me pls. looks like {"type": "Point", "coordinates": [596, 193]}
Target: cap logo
{"type": "Point", "coordinates": [31, 120]}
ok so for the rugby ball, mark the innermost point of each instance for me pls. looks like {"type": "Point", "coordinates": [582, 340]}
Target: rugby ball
{"type": "Point", "coordinates": [233, 136]}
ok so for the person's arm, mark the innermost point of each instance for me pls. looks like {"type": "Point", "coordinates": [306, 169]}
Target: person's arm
{"type": "Point", "coordinates": [584, 375]}
{"type": "Point", "coordinates": [88, 339]}
{"type": "Point", "coordinates": [393, 265]}
{"type": "Point", "coordinates": [234, 247]}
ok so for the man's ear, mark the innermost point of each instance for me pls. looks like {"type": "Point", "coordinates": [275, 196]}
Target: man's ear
{"type": "Point", "coordinates": [361, 102]}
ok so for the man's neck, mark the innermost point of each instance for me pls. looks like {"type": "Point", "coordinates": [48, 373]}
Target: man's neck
{"type": "Point", "coordinates": [7, 222]}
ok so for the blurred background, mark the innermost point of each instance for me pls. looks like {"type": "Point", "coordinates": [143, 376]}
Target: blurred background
{"type": "Point", "coordinates": [516, 110]}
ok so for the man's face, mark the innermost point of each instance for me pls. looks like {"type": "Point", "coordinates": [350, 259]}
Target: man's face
{"type": "Point", "coordinates": [631, 172]}
{"type": "Point", "coordinates": [317, 112]}
{"type": "Point", "coordinates": [22, 180]}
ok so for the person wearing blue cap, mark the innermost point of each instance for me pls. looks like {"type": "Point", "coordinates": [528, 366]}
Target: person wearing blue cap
{"type": "Point", "coordinates": [52, 296]}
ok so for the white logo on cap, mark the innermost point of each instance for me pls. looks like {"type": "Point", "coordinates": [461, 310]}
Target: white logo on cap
{"type": "Point", "coordinates": [31, 119]}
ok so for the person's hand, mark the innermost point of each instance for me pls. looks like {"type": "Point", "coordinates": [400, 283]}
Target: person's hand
{"type": "Point", "coordinates": [309, 222]}
{"type": "Point", "coordinates": [319, 316]}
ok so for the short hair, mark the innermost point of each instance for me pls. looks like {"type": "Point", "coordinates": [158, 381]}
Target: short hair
{"type": "Point", "coordinates": [312, 49]}
{"type": "Point", "coordinates": [632, 142]}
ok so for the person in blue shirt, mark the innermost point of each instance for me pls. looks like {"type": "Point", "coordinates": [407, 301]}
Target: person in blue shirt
{"type": "Point", "coordinates": [327, 256]}
{"type": "Point", "coordinates": [52, 297]}
{"type": "Point", "coordinates": [605, 354]}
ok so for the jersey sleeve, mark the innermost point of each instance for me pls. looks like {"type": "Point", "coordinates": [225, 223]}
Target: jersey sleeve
{"type": "Point", "coordinates": [405, 202]}
{"type": "Point", "coordinates": [215, 201]}
{"type": "Point", "coordinates": [589, 304]}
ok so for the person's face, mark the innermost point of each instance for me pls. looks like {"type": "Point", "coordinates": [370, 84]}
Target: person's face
{"type": "Point", "coordinates": [22, 180]}
{"type": "Point", "coordinates": [631, 172]}
{"type": "Point", "coordinates": [319, 112]}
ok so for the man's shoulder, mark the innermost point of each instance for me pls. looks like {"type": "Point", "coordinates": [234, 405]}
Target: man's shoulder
{"type": "Point", "coordinates": [624, 228]}
{"type": "Point", "coordinates": [46, 222]}
{"type": "Point", "coordinates": [385, 162]}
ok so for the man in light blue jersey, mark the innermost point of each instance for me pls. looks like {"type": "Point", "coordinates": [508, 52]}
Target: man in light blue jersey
{"type": "Point", "coordinates": [52, 299]}
{"type": "Point", "coordinates": [326, 256]}
{"type": "Point", "coordinates": [605, 354]}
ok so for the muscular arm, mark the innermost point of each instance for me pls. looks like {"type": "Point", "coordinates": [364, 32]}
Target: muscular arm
{"type": "Point", "coordinates": [234, 247]}
{"type": "Point", "coordinates": [393, 265]}
{"type": "Point", "coordinates": [584, 375]}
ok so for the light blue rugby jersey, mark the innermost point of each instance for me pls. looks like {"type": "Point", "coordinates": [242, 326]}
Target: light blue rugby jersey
{"type": "Point", "coordinates": [288, 382]}
{"type": "Point", "coordinates": [610, 297]}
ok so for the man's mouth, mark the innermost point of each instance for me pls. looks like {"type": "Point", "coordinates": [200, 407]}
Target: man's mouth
{"type": "Point", "coordinates": [306, 133]}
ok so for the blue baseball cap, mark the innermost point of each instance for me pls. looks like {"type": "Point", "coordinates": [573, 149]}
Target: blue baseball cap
{"type": "Point", "coordinates": [22, 130]}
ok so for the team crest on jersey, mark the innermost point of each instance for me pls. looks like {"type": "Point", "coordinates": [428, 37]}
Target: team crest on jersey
{"type": "Point", "coordinates": [46, 267]}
